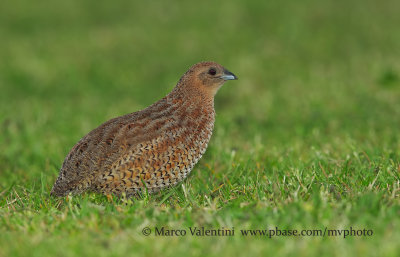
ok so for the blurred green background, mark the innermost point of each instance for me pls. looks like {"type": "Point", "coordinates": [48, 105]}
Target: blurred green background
{"type": "Point", "coordinates": [307, 137]}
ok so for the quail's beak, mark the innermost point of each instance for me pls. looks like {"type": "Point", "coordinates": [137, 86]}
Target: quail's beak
{"type": "Point", "coordinates": [228, 75]}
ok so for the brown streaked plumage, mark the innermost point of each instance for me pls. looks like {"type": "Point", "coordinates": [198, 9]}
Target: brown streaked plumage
{"type": "Point", "coordinates": [153, 148]}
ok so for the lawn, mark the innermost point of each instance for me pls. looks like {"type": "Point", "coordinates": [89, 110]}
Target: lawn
{"type": "Point", "coordinates": [307, 139]}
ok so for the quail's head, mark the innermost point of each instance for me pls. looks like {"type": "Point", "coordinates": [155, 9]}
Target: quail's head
{"type": "Point", "coordinates": [207, 77]}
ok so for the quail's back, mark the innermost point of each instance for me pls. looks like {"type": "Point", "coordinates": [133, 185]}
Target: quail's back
{"type": "Point", "coordinates": [150, 149]}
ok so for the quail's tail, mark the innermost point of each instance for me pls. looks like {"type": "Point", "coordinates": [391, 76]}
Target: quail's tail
{"type": "Point", "coordinates": [62, 187]}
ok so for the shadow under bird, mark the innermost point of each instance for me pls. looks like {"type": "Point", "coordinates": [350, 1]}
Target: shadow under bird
{"type": "Point", "coordinates": [151, 149]}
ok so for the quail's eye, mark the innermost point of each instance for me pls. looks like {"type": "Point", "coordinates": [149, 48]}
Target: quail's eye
{"type": "Point", "coordinates": [212, 71]}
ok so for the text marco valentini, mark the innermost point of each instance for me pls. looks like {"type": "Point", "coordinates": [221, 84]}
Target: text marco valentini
{"type": "Point", "coordinates": [194, 231]}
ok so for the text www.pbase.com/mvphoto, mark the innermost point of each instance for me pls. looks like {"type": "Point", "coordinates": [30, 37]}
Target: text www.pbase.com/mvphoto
{"type": "Point", "coordinates": [269, 233]}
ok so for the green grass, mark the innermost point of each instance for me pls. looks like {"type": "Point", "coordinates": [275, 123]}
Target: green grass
{"type": "Point", "coordinates": [307, 138]}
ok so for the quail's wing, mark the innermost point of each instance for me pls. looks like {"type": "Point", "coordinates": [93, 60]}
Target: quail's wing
{"type": "Point", "coordinates": [95, 153]}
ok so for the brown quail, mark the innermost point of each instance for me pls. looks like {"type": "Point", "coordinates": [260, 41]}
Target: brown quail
{"type": "Point", "coordinates": [151, 149]}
